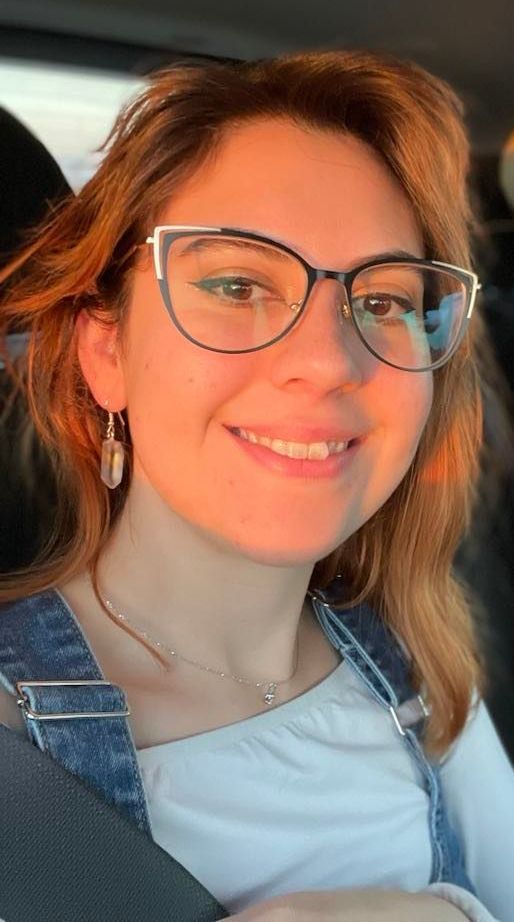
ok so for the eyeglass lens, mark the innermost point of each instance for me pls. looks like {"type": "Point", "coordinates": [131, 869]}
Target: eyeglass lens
{"type": "Point", "coordinates": [233, 294]}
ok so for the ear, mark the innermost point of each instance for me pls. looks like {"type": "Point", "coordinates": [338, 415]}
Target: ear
{"type": "Point", "coordinates": [99, 356]}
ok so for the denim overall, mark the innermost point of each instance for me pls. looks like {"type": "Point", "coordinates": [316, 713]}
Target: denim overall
{"type": "Point", "coordinates": [77, 717]}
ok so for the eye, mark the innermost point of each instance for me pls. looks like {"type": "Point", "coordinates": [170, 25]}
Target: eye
{"type": "Point", "coordinates": [237, 288]}
{"type": "Point", "coordinates": [381, 304]}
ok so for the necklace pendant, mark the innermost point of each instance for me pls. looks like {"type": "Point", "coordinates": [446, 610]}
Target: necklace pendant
{"type": "Point", "coordinates": [269, 697]}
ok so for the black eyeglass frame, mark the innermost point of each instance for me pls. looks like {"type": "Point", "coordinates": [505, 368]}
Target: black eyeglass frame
{"type": "Point", "coordinates": [165, 234]}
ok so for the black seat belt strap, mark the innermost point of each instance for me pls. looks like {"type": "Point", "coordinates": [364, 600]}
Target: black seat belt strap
{"type": "Point", "coordinates": [66, 854]}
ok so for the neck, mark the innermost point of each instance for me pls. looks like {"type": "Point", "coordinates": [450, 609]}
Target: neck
{"type": "Point", "coordinates": [197, 594]}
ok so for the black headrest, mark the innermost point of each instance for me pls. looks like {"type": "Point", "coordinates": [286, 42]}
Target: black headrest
{"type": "Point", "coordinates": [30, 179]}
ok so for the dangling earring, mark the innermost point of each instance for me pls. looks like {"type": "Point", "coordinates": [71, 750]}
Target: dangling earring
{"type": "Point", "coordinates": [113, 455]}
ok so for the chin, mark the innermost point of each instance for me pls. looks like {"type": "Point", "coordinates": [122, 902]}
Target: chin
{"type": "Point", "coordinates": [287, 554]}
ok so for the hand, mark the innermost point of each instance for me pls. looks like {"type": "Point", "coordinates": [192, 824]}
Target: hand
{"type": "Point", "coordinates": [352, 906]}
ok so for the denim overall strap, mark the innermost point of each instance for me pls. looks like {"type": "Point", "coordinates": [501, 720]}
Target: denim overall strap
{"type": "Point", "coordinates": [80, 719]}
{"type": "Point", "coordinates": [375, 653]}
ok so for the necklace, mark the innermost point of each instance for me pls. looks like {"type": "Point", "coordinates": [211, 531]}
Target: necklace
{"type": "Point", "coordinates": [269, 695]}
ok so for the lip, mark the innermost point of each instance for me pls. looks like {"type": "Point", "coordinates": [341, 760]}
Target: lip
{"type": "Point", "coordinates": [332, 467]}
{"type": "Point", "coordinates": [295, 432]}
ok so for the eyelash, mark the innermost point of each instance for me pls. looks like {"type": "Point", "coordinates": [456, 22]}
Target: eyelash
{"type": "Point", "coordinates": [210, 284]}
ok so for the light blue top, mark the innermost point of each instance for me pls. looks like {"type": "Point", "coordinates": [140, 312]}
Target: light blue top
{"type": "Point", "coordinates": [317, 794]}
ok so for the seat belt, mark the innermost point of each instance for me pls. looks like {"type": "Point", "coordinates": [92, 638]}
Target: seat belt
{"type": "Point", "coordinates": [67, 854]}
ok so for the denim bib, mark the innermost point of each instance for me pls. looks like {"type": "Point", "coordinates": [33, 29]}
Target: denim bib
{"type": "Point", "coordinates": [80, 720]}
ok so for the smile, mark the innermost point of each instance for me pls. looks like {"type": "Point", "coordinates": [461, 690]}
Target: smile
{"type": "Point", "coordinates": [314, 451]}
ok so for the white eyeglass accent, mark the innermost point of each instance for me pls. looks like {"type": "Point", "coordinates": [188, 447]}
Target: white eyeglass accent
{"type": "Point", "coordinates": [476, 284]}
{"type": "Point", "coordinates": [156, 241]}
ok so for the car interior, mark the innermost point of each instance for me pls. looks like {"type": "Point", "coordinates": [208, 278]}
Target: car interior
{"type": "Point", "coordinates": [67, 66]}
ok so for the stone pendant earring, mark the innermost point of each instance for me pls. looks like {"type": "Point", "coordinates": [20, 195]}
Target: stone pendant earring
{"type": "Point", "coordinates": [113, 455]}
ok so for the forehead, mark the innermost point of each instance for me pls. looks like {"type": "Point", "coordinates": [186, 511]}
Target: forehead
{"type": "Point", "coordinates": [328, 195]}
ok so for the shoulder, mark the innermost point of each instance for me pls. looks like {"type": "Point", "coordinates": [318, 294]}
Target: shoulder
{"type": "Point", "coordinates": [477, 781]}
{"type": "Point", "coordinates": [26, 605]}
{"type": "Point", "coordinates": [14, 618]}
{"type": "Point", "coordinates": [477, 775]}
{"type": "Point", "coordinates": [478, 740]}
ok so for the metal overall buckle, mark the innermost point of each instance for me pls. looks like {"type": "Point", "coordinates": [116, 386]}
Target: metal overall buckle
{"type": "Point", "coordinates": [23, 701]}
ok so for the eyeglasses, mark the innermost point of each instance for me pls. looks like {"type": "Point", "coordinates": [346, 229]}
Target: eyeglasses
{"type": "Point", "coordinates": [233, 291]}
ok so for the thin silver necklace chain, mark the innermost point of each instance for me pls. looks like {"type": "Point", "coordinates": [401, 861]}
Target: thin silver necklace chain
{"type": "Point", "coordinates": [269, 695]}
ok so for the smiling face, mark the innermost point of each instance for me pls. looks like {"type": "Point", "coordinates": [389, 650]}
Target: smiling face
{"type": "Point", "coordinates": [330, 198]}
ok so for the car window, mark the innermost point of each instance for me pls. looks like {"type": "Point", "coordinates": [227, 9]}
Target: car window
{"type": "Point", "coordinates": [70, 110]}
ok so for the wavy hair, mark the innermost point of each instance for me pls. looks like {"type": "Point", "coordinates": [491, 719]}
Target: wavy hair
{"type": "Point", "coordinates": [400, 560]}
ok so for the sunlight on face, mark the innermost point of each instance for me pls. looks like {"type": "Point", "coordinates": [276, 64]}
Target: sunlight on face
{"type": "Point", "coordinates": [331, 199]}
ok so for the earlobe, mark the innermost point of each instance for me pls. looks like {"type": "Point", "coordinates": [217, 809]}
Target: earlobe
{"type": "Point", "coordinates": [99, 358]}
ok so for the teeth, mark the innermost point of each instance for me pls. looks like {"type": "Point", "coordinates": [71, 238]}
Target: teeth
{"type": "Point", "coordinates": [315, 451]}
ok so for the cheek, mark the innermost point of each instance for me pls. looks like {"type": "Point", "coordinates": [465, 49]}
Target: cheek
{"type": "Point", "coordinates": [169, 378]}
{"type": "Point", "coordinates": [175, 390]}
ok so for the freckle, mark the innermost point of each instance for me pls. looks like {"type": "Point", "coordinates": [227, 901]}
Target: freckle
{"type": "Point", "coordinates": [147, 365]}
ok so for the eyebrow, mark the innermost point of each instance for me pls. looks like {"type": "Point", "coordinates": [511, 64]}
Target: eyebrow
{"type": "Point", "coordinates": [383, 257]}
{"type": "Point", "coordinates": [214, 243]}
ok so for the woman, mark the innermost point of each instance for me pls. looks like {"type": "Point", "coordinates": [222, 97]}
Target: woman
{"type": "Point", "coordinates": [254, 360]}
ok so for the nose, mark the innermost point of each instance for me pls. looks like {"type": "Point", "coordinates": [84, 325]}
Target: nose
{"type": "Point", "coordinates": [342, 301]}
{"type": "Point", "coordinates": [320, 342]}
{"type": "Point", "coordinates": [320, 291]}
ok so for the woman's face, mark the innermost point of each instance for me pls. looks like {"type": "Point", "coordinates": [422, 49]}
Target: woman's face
{"type": "Point", "coordinates": [330, 198]}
